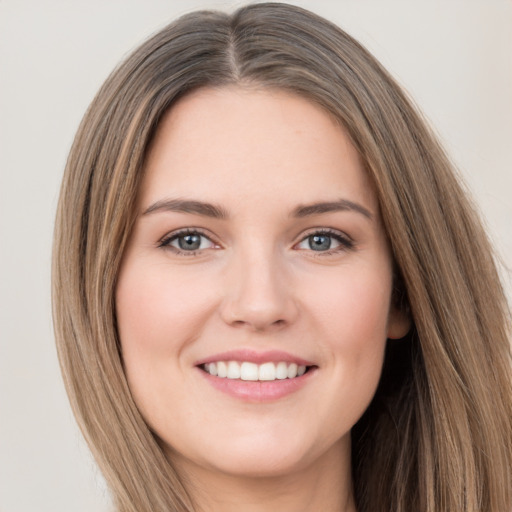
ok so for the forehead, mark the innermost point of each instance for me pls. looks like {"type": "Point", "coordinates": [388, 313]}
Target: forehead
{"type": "Point", "coordinates": [233, 144]}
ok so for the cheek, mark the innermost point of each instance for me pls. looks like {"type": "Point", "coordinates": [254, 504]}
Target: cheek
{"type": "Point", "coordinates": [351, 320]}
{"type": "Point", "coordinates": [354, 305]}
{"type": "Point", "coordinates": [158, 316]}
{"type": "Point", "coordinates": [158, 310]}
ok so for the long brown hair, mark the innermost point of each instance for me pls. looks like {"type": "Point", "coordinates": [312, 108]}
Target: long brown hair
{"type": "Point", "coordinates": [438, 434]}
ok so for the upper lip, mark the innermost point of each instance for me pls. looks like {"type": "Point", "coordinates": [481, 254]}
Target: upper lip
{"type": "Point", "coordinates": [251, 356]}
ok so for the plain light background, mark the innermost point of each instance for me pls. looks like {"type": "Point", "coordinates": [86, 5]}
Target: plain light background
{"type": "Point", "coordinates": [454, 58]}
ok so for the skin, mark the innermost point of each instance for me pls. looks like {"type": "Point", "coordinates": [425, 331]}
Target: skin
{"type": "Point", "coordinates": [256, 283]}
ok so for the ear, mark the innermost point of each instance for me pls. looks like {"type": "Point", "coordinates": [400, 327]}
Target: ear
{"type": "Point", "coordinates": [399, 323]}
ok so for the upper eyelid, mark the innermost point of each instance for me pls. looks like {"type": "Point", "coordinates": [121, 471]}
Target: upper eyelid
{"type": "Point", "coordinates": [166, 239]}
{"type": "Point", "coordinates": [304, 233]}
{"type": "Point", "coordinates": [186, 231]}
{"type": "Point", "coordinates": [165, 242]}
{"type": "Point", "coordinates": [326, 231]}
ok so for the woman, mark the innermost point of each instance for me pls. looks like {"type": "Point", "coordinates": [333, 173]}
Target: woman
{"type": "Point", "coordinates": [270, 291]}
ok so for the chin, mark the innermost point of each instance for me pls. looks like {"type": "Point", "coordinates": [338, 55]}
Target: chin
{"type": "Point", "coordinates": [257, 455]}
{"type": "Point", "coordinates": [261, 463]}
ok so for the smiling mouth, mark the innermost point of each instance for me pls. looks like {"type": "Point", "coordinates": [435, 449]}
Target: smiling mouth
{"type": "Point", "coordinates": [248, 371]}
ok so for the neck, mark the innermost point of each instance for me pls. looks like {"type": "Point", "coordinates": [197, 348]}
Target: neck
{"type": "Point", "coordinates": [324, 485]}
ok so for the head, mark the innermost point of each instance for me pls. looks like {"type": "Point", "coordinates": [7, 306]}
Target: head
{"type": "Point", "coordinates": [443, 277]}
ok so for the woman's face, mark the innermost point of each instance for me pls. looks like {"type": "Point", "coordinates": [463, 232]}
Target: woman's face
{"type": "Point", "coordinates": [258, 251]}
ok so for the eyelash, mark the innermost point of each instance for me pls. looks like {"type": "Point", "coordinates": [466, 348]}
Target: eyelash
{"type": "Point", "coordinates": [346, 243]}
{"type": "Point", "coordinates": [166, 241]}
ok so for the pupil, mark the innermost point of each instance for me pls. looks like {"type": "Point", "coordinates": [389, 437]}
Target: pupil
{"type": "Point", "coordinates": [320, 242]}
{"type": "Point", "coordinates": [189, 242]}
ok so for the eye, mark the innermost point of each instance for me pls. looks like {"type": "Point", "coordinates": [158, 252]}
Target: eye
{"type": "Point", "coordinates": [325, 241]}
{"type": "Point", "coordinates": [188, 241]}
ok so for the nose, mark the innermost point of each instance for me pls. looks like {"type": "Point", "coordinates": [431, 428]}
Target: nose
{"type": "Point", "coordinates": [258, 295]}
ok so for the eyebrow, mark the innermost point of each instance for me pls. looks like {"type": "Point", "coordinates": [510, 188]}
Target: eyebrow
{"type": "Point", "coordinates": [218, 212]}
{"type": "Point", "coordinates": [188, 206]}
{"type": "Point", "coordinates": [341, 205]}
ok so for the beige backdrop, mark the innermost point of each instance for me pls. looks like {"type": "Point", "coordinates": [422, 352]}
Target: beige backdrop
{"type": "Point", "coordinates": [454, 57]}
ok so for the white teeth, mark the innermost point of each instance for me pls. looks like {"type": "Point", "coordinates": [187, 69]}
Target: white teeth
{"type": "Point", "coordinates": [249, 371]}
{"type": "Point", "coordinates": [254, 372]}
{"type": "Point", "coordinates": [222, 369]}
{"type": "Point", "coordinates": [211, 369]}
{"type": "Point", "coordinates": [292, 371]}
{"type": "Point", "coordinates": [233, 370]}
{"type": "Point", "coordinates": [267, 371]}
{"type": "Point", "coordinates": [281, 371]}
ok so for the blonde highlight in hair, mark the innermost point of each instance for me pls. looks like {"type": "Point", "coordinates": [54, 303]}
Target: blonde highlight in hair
{"type": "Point", "coordinates": [438, 434]}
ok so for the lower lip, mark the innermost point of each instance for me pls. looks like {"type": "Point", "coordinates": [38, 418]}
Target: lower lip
{"type": "Point", "coordinates": [259, 391]}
